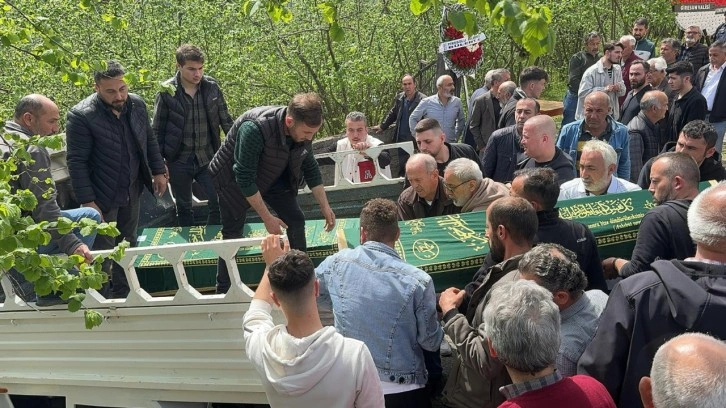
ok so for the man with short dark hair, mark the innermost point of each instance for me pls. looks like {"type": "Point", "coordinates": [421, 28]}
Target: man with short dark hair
{"type": "Point", "coordinates": [539, 187]}
{"type": "Point", "coordinates": [712, 83]}
{"type": "Point", "coordinates": [556, 269]}
{"type": "Point", "coordinates": [697, 139]}
{"type": "Point", "coordinates": [187, 124]}
{"type": "Point", "coordinates": [638, 85]}
{"type": "Point", "coordinates": [302, 363]}
{"type": "Point", "coordinates": [644, 131]}
{"type": "Point", "coordinates": [522, 327]}
{"type": "Point", "coordinates": [578, 64]}
{"type": "Point", "coordinates": [663, 232]}
{"type": "Point", "coordinates": [532, 82]}
{"type": "Point", "coordinates": [671, 298]}
{"type": "Point", "coordinates": [504, 150]}
{"type": "Point", "coordinates": [689, 105]}
{"type": "Point", "coordinates": [597, 124]}
{"type": "Point", "coordinates": [605, 76]}
{"type": "Point", "coordinates": [426, 196]}
{"type": "Point", "coordinates": [262, 161]}
{"type": "Point", "coordinates": [381, 300]}
{"type": "Point", "coordinates": [444, 107]}
{"type": "Point", "coordinates": [112, 155]}
{"type": "Point", "coordinates": [476, 377]}
{"type": "Point", "coordinates": [403, 105]}
{"type": "Point", "coordinates": [538, 141]}
{"type": "Point", "coordinates": [486, 109]}
{"type": "Point", "coordinates": [669, 50]}
{"type": "Point", "coordinates": [468, 189]}
{"type": "Point", "coordinates": [692, 50]}
{"type": "Point", "coordinates": [430, 139]}
{"type": "Point", "coordinates": [644, 48]}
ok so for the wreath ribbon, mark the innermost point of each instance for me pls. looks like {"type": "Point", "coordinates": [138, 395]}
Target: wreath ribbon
{"type": "Point", "coordinates": [461, 42]}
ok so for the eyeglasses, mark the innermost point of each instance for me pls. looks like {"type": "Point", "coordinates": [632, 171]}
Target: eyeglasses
{"type": "Point", "coordinates": [451, 189]}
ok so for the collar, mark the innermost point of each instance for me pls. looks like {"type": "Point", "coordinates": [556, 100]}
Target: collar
{"type": "Point", "coordinates": [705, 261]}
{"type": "Point", "coordinates": [508, 264]}
{"type": "Point", "coordinates": [606, 135]}
{"type": "Point", "coordinates": [13, 126]}
{"type": "Point", "coordinates": [548, 216]}
{"type": "Point", "coordinates": [381, 247]}
{"type": "Point", "coordinates": [517, 389]}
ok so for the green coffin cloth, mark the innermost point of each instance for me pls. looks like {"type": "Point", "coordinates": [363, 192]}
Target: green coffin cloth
{"type": "Point", "coordinates": [450, 248]}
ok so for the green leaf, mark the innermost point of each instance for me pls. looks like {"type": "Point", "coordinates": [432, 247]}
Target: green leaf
{"type": "Point", "coordinates": [74, 305]}
{"type": "Point", "coordinates": [85, 4]}
{"type": "Point", "coordinates": [536, 27]}
{"type": "Point", "coordinates": [329, 12]}
{"type": "Point", "coordinates": [457, 19]}
{"type": "Point", "coordinates": [336, 32]}
{"type": "Point", "coordinates": [92, 319]}
{"type": "Point", "coordinates": [419, 7]}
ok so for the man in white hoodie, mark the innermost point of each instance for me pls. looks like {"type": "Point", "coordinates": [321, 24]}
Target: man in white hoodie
{"type": "Point", "coordinates": [303, 364]}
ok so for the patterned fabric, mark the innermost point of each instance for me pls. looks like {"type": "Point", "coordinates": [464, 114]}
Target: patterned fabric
{"type": "Point", "coordinates": [515, 390]}
{"type": "Point", "coordinates": [195, 139]}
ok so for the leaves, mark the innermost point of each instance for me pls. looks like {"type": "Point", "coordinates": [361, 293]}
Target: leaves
{"type": "Point", "coordinates": [419, 7]}
{"type": "Point", "coordinates": [92, 319]}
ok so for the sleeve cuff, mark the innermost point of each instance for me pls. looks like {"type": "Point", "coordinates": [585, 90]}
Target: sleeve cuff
{"type": "Point", "coordinates": [449, 315]}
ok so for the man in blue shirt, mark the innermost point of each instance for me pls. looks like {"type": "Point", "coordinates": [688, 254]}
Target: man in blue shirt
{"type": "Point", "coordinates": [444, 107]}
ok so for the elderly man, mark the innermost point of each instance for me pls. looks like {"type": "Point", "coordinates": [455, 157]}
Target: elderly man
{"type": "Point", "coordinates": [403, 105]}
{"type": "Point", "coordinates": [465, 186]}
{"type": "Point", "coordinates": [605, 76]}
{"type": "Point", "coordinates": [532, 82]}
{"type": "Point", "coordinates": [539, 187]}
{"type": "Point", "coordinates": [597, 168]}
{"type": "Point", "coordinates": [555, 268]}
{"type": "Point", "coordinates": [671, 298]}
{"type": "Point", "coordinates": [627, 59]}
{"type": "Point", "coordinates": [444, 107]}
{"type": "Point", "coordinates": [426, 197]}
{"type": "Point", "coordinates": [697, 139]}
{"type": "Point", "coordinates": [689, 105]}
{"type": "Point", "coordinates": [689, 370]}
{"type": "Point", "coordinates": [712, 83]}
{"type": "Point", "coordinates": [112, 155]}
{"type": "Point", "coordinates": [663, 232]}
{"type": "Point", "coordinates": [277, 352]}
{"type": "Point", "coordinates": [486, 109]}
{"type": "Point", "coordinates": [692, 50]}
{"type": "Point", "coordinates": [597, 125]}
{"type": "Point", "coordinates": [644, 131]}
{"type": "Point", "coordinates": [476, 377]}
{"type": "Point", "coordinates": [578, 64]}
{"type": "Point", "coordinates": [657, 78]}
{"type": "Point", "coordinates": [638, 71]}
{"type": "Point", "coordinates": [522, 326]}
{"type": "Point", "coordinates": [669, 50]}
{"type": "Point", "coordinates": [504, 150]}
{"type": "Point", "coordinates": [430, 139]}
{"type": "Point", "coordinates": [38, 115]}
{"type": "Point", "coordinates": [492, 79]}
{"type": "Point", "coordinates": [378, 298]}
{"type": "Point", "coordinates": [644, 48]}
{"type": "Point", "coordinates": [538, 141]}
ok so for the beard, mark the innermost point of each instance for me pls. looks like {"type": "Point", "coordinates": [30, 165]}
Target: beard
{"type": "Point", "coordinates": [666, 196]}
{"type": "Point", "coordinates": [496, 248]}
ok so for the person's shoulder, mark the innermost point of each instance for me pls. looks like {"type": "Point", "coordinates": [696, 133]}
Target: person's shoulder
{"type": "Point", "coordinates": [627, 185]}
{"type": "Point", "coordinates": [571, 128]}
{"type": "Point", "coordinates": [571, 184]}
{"type": "Point", "coordinates": [503, 132]}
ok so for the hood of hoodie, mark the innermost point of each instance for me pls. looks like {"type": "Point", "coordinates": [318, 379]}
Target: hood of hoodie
{"type": "Point", "coordinates": [295, 365]}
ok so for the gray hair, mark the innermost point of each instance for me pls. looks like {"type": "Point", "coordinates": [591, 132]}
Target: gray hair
{"type": "Point", "coordinates": [698, 28]}
{"type": "Point", "coordinates": [629, 38]}
{"type": "Point", "coordinates": [440, 80]}
{"type": "Point", "coordinates": [707, 217]}
{"type": "Point", "coordinates": [651, 99]}
{"type": "Point", "coordinates": [659, 64]}
{"type": "Point", "coordinates": [427, 160]}
{"type": "Point", "coordinates": [508, 87]}
{"type": "Point", "coordinates": [32, 104]}
{"type": "Point", "coordinates": [555, 267]}
{"type": "Point", "coordinates": [465, 169]}
{"type": "Point", "coordinates": [606, 151]}
{"type": "Point", "coordinates": [680, 383]}
{"type": "Point", "coordinates": [356, 116]}
{"type": "Point", "coordinates": [494, 75]}
{"type": "Point", "coordinates": [673, 43]}
{"type": "Point", "coordinates": [523, 324]}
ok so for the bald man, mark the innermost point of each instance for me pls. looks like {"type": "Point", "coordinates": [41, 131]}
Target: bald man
{"type": "Point", "coordinates": [426, 197]}
{"type": "Point", "coordinates": [597, 124]}
{"type": "Point", "coordinates": [538, 141]}
{"type": "Point", "coordinates": [37, 115]}
{"type": "Point", "coordinates": [673, 297]}
{"type": "Point", "coordinates": [688, 371]}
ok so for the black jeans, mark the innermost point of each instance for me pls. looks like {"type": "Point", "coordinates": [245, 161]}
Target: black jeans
{"type": "Point", "coordinates": [418, 398]}
{"type": "Point", "coordinates": [181, 177]}
{"type": "Point", "coordinates": [284, 203]}
{"type": "Point", "coordinates": [127, 222]}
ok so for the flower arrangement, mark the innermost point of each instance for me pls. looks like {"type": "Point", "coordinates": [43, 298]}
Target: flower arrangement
{"type": "Point", "coordinates": [465, 59]}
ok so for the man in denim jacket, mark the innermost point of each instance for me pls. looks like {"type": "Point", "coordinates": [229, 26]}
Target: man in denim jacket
{"type": "Point", "coordinates": [378, 298]}
{"type": "Point", "coordinates": [597, 124]}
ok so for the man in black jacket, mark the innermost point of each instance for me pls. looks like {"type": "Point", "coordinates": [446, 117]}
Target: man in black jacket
{"type": "Point", "coordinates": [187, 124]}
{"type": "Point", "coordinates": [663, 232]}
{"type": "Point", "coordinates": [688, 105]}
{"type": "Point", "coordinates": [403, 104]}
{"type": "Point", "coordinates": [697, 139]}
{"type": "Point", "coordinates": [504, 150]}
{"type": "Point", "coordinates": [264, 157]}
{"type": "Point", "coordinates": [539, 186]}
{"type": "Point", "coordinates": [673, 297]}
{"type": "Point", "coordinates": [430, 139]}
{"type": "Point", "coordinates": [112, 155]}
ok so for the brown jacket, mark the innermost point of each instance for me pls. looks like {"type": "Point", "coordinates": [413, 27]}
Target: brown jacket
{"type": "Point", "coordinates": [412, 207]}
{"type": "Point", "coordinates": [488, 191]}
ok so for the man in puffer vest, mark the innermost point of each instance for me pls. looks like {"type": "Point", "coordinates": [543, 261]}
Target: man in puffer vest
{"type": "Point", "coordinates": [264, 157]}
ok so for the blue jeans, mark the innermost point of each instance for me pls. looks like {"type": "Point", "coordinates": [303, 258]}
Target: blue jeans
{"type": "Point", "coordinates": [569, 108]}
{"type": "Point", "coordinates": [720, 129]}
{"type": "Point", "coordinates": [181, 177]}
{"type": "Point", "coordinates": [74, 215]}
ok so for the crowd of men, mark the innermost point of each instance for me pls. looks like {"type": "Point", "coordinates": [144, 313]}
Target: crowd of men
{"type": "Point", "coordinates": [535, 327]}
